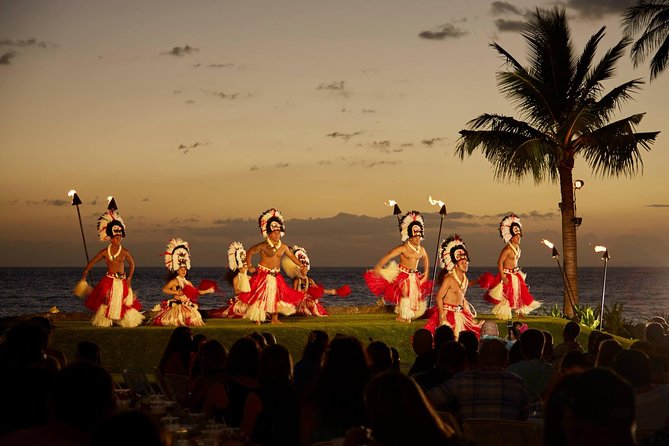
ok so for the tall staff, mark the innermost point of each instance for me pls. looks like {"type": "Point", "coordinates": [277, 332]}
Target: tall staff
{"type": "Point", "coordinates": [396, 209]}
{"type": "Point", "coordinates": [442, 214]}
{"type": "Point", "coordinates": [76, 201]}
{"type": "Point", "coordinates": [556, 255]}
{"type": "Point", "coordinates": [605, 257]}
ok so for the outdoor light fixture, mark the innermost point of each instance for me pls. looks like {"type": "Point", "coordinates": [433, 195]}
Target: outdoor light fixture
{"type": "Point", "coordinates": [578, 184]}
{"type": "Point", "coordinates": [605, 257]}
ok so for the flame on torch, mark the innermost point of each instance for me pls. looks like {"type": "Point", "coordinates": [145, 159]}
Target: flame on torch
{"type": "Point", "coordinates": [600, 248]}
{"type": "Point", "coordinates": [390, 203]}
{"type": "Point", "coordinates": [435, 202]}
{"type": "Point", "coordinates": [547, 243]}
{"type": "Point", "coordinates": [71, 193]}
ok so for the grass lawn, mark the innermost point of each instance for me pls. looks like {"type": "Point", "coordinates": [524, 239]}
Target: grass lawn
{"type": "Point", "coordinates": [142, 347]}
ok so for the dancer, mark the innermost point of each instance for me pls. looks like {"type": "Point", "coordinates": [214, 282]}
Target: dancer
{"type": "Point", "coordinates": [403, 285]}
{"type": "Point", "coordinates": [507, 290]}
{"type": "Point", "coordinates": [181, 309]}
{"type": "Point", "coordinates": [269, 293]}
{"type": "Point", "coordinates": [238, 279]}
{"type": "Point", "coordinates": [112, 299]}
{"type": "Point", "coordinates": [452, 308]}
{"type": "Point", "coordinates": [309, 306]}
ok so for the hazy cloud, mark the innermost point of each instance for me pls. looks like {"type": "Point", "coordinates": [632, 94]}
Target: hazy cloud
{"type": "Point", "coordinates": [370, 164]}
{"type": "Point", "coordinates": [657, 205]}
{"type": "Point", "coordinates": [179, 51]}
{"type": "Point", "coordinates": [443, 32]}
{"type": "Point", "coordinates": [430, 142]}
{"type": "Point", "coordinates": [178, 221]}
{"type": "Point", "coordinates": [504, 25]}
{"type": "Point", "coordinates": [254, 167]}
{"type": "Point", "coordinates": [344, 136]}
{"type": "Point", "coordinates": [145, 199]}
{"type": "Point", "coordinates": [12, 202]}
{"type": "Point", "coordinates": [281, 165]}
{"type": "Point", "coordinates": [336, 87]}
{"type": "Point", "coordinates": [596, 9]}
{"type": "Point", "coordinates": [384, 146]}
{"type": "Point", "coordinates": [220, 65]}
{"type": "Point", "coordinates": [500, 8]}
{"type": "Point", "coordinates": [222, 95]}
{"type": "Point", "coordinates": [188, 148]}
{"type": "Point", "coordinates": [56, 202]}
{"type": "Point", "coordinates": [23, 43]}
{"type": "Point", "coordinates": [7, 56]}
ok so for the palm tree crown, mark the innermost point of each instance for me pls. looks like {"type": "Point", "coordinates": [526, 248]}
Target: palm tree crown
{"type": "Point", "coordinates": [651, 16]}
{"type": "Point", "coordinates": [564, 113]}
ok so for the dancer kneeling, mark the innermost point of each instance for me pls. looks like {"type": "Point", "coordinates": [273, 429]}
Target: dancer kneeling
{"type": "Point", "coordinates": [269, 293]}
{"type": "Point", "coordinates": [239, 281]}
{"type": "Point", "coordinates": [112, 299]}
{"type": "Point", "coordinates": [403, 285]}
{"type": "Point", "coordinates": [181, 309]}
{"type": "Point", "coordinates": [309, 306]}
{"type": "Point", "coordinates": [452, 308]}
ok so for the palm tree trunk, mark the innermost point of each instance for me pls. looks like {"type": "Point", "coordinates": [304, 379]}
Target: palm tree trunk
{"type": "Point", "coordinates": [570, 293]}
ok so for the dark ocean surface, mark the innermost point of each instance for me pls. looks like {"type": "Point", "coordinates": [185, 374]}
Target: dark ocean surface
{"type": "Point", "coordinates": [643, 291]}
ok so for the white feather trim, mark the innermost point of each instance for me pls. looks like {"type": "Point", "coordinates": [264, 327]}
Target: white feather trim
{"type": "Point", "coordinates": [407, 220]}
{"type": "Point", "coordinates": [177, 254]}
{"type": "Point", "coordinates": [236, 256]}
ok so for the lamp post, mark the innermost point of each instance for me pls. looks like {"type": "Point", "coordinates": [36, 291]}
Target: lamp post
{"type": "Point", "coordinates": [578, 185]}
{"type": "Point", "coordinates": [556, 255]}
{"type": "Point", "coordinates": [76, 201]}
{"type": "Point", "coordinates": [605, 257]}
{"type": "Point", "coordinates": [442, 214]}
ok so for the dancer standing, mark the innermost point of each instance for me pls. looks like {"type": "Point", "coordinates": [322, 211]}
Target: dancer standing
{"type": "Point", "coordinates": [403, 285]}
{"type": "Point", "coordinates": [269, 293]}
{"type": "Point", "coordinates": [181, 309]}
{"type": "Point", "coordinates": [507, 290]}
{"type": "Point", "coordinates": [239, 281]}
{"type": "Point", "coordinates": [112, 299]}
{"type": "Point", "coordinates": [452, 308]}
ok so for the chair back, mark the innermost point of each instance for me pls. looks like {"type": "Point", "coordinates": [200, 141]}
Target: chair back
{"type": "Point", "coordinates": [486, 431]}
{"type": "Point", "coordinates": [138, 382]}
{"type": "Point", "coordinates": [178, 387]}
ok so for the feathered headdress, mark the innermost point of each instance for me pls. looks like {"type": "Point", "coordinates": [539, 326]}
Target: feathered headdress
{"type": "Point", "coordinates": [236, 256]}
{"type": "Point", "coordinates": [292, 270]}
{"type": "Point", "coordinates": [451, 251]}
{"type": "Point", "coordinates": [510, 226]}
{"type": "Point", "coordinates": [411, 224]}
{"type": "Point", "coordinates": [271, 220]}
{"type": "Point", "coordinates": [110, 224]}
{"type": "Point", "coordinates": [177, 254]}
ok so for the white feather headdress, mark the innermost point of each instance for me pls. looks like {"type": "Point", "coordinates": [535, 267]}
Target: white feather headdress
{"type": "Point", "coordinates": [407, 223]}
{"type": "Point", "coordinates": [110, 223]}
{"type": "Point", "coordinates": [510, 226]}
{"type": "Point", "coordinates": [236, 256]}
{"type": "Point", "coordinates": [269, 217]}
{"type": "Point", "coordinates": [177, 254]}
{"type": "Point", "coordinates": [292, 270]}
{"type": "Point", "coordinates": [451, 251]}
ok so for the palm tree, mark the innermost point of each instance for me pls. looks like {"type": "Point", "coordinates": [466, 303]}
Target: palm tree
{"type": "Point", "coordinates": [565, 114]}
{"type": "Point", "coordinates": [653, 17]}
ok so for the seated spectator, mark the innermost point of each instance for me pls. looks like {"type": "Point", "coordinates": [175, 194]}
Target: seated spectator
{"type": "Point", "coordinates": [594, 339]}
{"type": "Point", "coordinates": [570, 333]}
{"type": "Point", "coordinates": [211, 361]}
{"type": "Point", "coordinates": [88, 351]}
{"type": "Point", "coordinates": [442, 335]}
{"type": "Point", "coordinates": [400, 415]}
{"type": "Point", "coordinates": [471, 343]}
{"type": "Point", "coordinates": [608, 349]}
{"type": "Point", "coordinates": [127, 428]}
{"type": "Point", "coordinates": [177, 354]}
{"type": "Point", "coordinates": [308, 368]}
{"type": "Point", "coordinates": [588, 408]}
{"type": "Point", "coordinates": [574, 361]}
{"type": "Point", "coordinates": [652, 400]}
{"type": "Point", "coordinates": [535, 372]}
{"type": "Point", "coordinates": [379, 357]}
{"type": "Point", "coordinates": [57, 357]}
{"type": "Point", "coordinates": [426, 356]}
{"type": "Point", "coordinates": [488, 391]}
{"type": "Point", "coordinates": [451, 359]}
{"type": "Point", "coordinates": [271, 411]}
{"type": "Point", "coordinates": [548, 347]}
{"type": "Point", "coordinates": [490, 330]}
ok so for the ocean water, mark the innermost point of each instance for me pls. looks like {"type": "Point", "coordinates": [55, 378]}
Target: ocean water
{"type": "Point", "coordinates": [643, 291]}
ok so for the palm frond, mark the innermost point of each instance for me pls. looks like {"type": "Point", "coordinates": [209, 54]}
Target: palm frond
{"type": "Point", "coordinates": [613, 100]}
{"type": "Point", "coordinates": [584, 62]}
{"type": "Point", "coordinates": [640, 15]}
{"type": "Point", "coordinates": [603, 70]}
{"type": "Point", "coordinates": [659, 61]}
{"type": "Point", "coordinates": [613, 150]}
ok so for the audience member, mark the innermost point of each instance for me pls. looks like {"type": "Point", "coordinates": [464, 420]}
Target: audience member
{"type": "Point", "coordinates": [177, 354]}
{"type": "Point", "coordinates": [88, 351]}
{"type": "Point", "coordinates": [451, 359]}
{"type": "Point", "coordinates": [574, 361]}
{"type": "Point", "coordinates": [396, 365]}
{"type": "Point", "coordinates": [592, 407]}
{"type": "Point", "coordinates": [608, 349]}
{"type": "Point", "coordinates": [570, 333]}
{"type": "Point", "coordinates": [211, 360]}
{"type": "Point", "coordinates": [594, 339]}
{"type": "Point", "coordinates": [379, 357]}
{"type": "Point", "coordinates": [490, 330]}
{"type": "Point", "coordinates": [471, 343]}
{"type": "Point", "coordinates": [271, 411]}
{"type": "Point", "coordinates": [421, 343]}
{"type": "Point", "coordinates": [309, 367]}
{"type": "Point", "coordinates": [57, 357]}
{"type": "Point", "coordinates": [127, 428]}
{"type": "Point", "coordinates": [400, 415]}
{"type": "Point", "coordinates": [337, 403]}
{"type": "Point", "coordinates": [442, 335]}
{"type": "Point", "coordinates": [488, 391]}
{"type": "Point", "coordinates": [534, 371]}
{"type": "Point", "coordinates": [548, 347]}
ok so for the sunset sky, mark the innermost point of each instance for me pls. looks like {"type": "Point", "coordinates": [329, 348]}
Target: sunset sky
{"type": "Point", "coordinates": [198, 116]}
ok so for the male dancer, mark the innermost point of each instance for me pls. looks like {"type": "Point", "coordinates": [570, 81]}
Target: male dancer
{"type": "Point", "coordinates": [269, 293]}
{"type": "Point", "coordinates": [403, 285]}
{"type": "Point", "coordinates": [507, 290]}
{"type": "Point", "coordinates": [112, 299]}
{"type": "Point", "coordinates": [452, 307]}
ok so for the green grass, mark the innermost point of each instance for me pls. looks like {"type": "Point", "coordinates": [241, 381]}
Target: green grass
{"type": "Point", "coordinates": [142, 347]}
